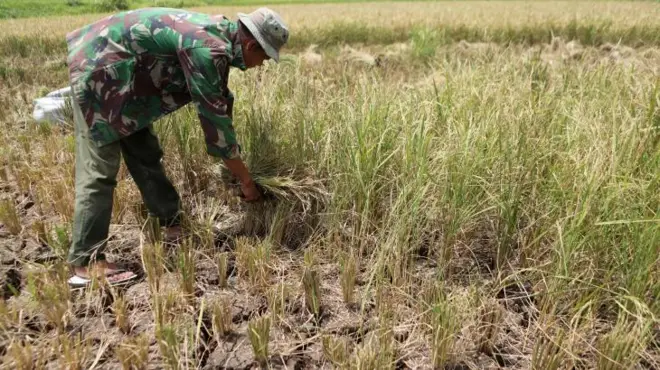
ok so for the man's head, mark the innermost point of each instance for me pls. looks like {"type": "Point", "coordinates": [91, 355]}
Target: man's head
{"type": "Point", "coordinates": [263, 33]}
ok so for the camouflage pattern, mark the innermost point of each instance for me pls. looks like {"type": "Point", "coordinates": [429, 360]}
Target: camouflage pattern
{"type": "Point", "coordinates": [134, 67]}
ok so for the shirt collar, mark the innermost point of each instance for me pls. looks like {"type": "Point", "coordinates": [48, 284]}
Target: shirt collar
{"type": "Point", "coordinates": [237, 49]}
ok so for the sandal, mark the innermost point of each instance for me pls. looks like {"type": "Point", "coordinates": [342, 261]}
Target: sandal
{"type": "Point", "coordinates": [114, 278]}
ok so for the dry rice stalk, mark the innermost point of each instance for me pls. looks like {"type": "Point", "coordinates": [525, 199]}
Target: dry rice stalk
{"type": "Point", "coordinates": [621, 347]}
{"type": "Point", "coordinates": [134, 352]}
{"type": "Point", "coordinates": [335, 349]}
{"type": "Point", "coordinates": [278, 297]}
{"type": "Point", "coordinates": [119, 307]}
{"type": "Point", "coordinates": [302, 189]}
{"type": "Point", "coordinates": [8, 316]}
{"type": "Point", "coordinates": [20, 355]}
{"type": "Point", "coordinates": [347, 276]}
{"type": "Point", "coordinates": [9, 217]}
{"type": "Point", "coordinates": [289, 207]}
{"type": "Point", "coordinates": [52, 294]}
{"type": "Point", "coordinates": [312, 284]}
{"type": "Point", "coordinates": [73, 351]}
{"type": "Point", "coordinates": [548, 353]}
{"type": "Point", "coordinates": [221, 319]}
{"type": "Point", "coordinates": [222, 260]}
{"type": "Point", "coordinates": [490, 319]}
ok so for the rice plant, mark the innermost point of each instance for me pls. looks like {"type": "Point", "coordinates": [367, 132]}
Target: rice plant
{"type": "Point", "coordinates": [311, 285]}
{"type": "Point", "coordinates": [221, 319]}
{"type": "Point", "coordinates": [259, 334]}
{"type": "Point", "coordinates": [134, 353]}
{"type": "Point", "coordinates": [9, 217]}
{"type": "Point", "coordinates": [222, 261]}
{"type": "Point", "coordinates": [347, 276]}
{"type": "Point", "coordinates": [548, 351]}
{"type": "Point", "coordinates": [120, 310]}
{"type": "Point", "coordinates": [278, 300]}
{"type": "Point", "coordinates": [73, 352]}
{"type": "Point", "coordinates": [186, 267]}
{"type": "Point", "coordinates": [621, 347]}
{"type": "Point", "coordinates": [335, 350]}
{"type": "Point", "coordinates": [51, 292]}
{"type": "Point", "coordinates": [21, 356]}
{"type": "Point", "coordinates": [253, 262]}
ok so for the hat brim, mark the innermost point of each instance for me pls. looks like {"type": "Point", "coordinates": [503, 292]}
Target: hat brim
{"type": "Point", "coordinates": [270, 51]}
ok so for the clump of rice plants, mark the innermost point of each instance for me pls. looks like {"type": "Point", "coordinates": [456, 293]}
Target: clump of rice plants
{"type": "Point", "coordinates": [289, 206]}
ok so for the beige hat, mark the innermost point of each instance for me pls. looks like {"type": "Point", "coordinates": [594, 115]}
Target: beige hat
{"type": "Point", "coordinates": [268, 28]}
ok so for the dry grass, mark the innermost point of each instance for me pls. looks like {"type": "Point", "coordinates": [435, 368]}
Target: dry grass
{"type": "Point", "coordinates": [133, 354]}
{"type": "Point", "coordinates": [431, 202]}
{"type": "Point", "coordinates": [481, 14]}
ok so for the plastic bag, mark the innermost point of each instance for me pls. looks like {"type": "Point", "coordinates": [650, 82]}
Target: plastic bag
{"type": "Point", "coordinates": [51, 107]}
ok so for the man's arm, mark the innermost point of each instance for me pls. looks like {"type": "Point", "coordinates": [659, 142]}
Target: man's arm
{"type": "Point", "coordinates": [202, 67]}
{"type": "Point", "coordinates": [238, 168]}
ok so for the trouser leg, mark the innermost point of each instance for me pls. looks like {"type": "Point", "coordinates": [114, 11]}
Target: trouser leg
{"type": "Point", "coordinates": [142, 155]}
{"type": "Point", "coordinates": [95, 180]}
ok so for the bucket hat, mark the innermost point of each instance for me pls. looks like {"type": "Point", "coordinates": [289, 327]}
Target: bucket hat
{"type": "Point", "coordinates": [268, 29]}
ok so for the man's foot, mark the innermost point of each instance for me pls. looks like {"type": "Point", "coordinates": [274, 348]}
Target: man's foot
{"type": "Point", "coordinates": [102, 267]}
{"type": "Point", "coordinates": [173, 234]}
{"type": "Point", "coordinates": [112, 273]}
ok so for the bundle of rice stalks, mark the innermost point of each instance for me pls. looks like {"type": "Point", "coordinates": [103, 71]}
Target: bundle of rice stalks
{"type": "Point", "coordinates": [288, 211]}
{"type": "Point", "coordinates": [306, 191]}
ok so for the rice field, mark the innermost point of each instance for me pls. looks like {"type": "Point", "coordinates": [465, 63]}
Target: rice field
{"type": "Point", "coordinates": [453, 185]}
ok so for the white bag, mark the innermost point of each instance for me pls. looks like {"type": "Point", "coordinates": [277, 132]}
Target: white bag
{"type": "Point", "coordinates": [50, 108]}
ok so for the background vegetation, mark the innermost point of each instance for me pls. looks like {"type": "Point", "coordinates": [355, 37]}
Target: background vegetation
{"type": "Point", "coordinates": [43, 8]}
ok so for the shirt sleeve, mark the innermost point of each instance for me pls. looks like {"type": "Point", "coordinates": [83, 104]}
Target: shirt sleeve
{"type": "Point", "coordinates": [204, 68]}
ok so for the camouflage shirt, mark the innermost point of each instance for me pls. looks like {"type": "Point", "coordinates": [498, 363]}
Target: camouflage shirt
{"type": "Point", "coordinates": [129, 69]}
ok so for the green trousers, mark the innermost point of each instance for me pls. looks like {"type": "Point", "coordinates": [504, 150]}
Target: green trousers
{"type": "Point", "coordinates": [95, 180]}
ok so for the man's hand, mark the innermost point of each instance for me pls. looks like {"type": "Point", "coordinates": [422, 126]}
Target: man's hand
{"type": "Point", "coordinates": [250, 191]}
{"type": "Point", "coordinates": [248, 187]}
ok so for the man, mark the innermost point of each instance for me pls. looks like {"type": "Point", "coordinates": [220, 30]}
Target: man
{"type": "Point", "coordinates": [128, 70]}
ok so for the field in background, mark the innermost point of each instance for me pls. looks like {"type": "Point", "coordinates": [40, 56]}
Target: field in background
{"type": "Point", "coordinates": [44, 8]}
{"type": "Point", "coordinates": [460, 189]}
{"type": "Point", "coordinates": [474, 18]}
